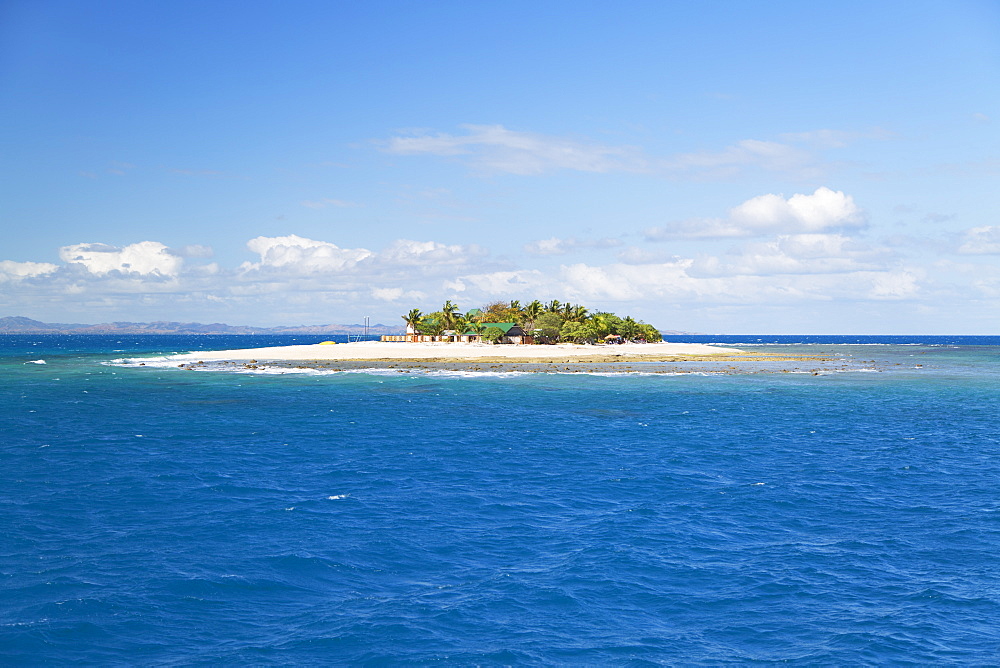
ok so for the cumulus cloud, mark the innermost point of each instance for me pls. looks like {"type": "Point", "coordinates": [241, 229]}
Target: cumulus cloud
{"type": "Point", "coordinates": [18, 271]}
{"type": "Point", "coordinates": [556, 246]}
{"type": "Point", "coordinates": [297, 254]}
{"type": "Point", "coordinates": [981, 241]}
{"type": "Point", "coordinates": [296, 278]}
{"type": "Point", "coordinates": [146, 258]}
{"type": "Point", "coordinates": [495, 148]}
{"type": "Point", "coordinates": [823, 210]}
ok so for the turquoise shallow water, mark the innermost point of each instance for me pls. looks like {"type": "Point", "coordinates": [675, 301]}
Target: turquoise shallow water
{"type": "Point", "coordinates": [156, 516]}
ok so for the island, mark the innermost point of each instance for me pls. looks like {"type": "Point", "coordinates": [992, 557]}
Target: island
{"type": "Point", "coordinates": [504, 337]}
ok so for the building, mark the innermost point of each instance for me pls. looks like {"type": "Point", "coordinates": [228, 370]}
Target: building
{"type": "Point", "coordinates": [512, 334]}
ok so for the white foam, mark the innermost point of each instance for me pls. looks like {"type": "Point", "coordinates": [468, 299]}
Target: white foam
{"type": "Point", "coordinates": [36, 362]}
{"type": "Point", "coordinates": [155, 362]}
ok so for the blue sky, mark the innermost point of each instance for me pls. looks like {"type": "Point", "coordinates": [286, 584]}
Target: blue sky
{"type": "Point", "coordinates": [720, 167]}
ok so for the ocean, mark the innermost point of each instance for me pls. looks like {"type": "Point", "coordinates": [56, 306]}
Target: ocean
{"type": "Point", "coordinates": [157, 516]}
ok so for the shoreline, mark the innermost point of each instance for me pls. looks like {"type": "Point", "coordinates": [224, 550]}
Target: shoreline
{"type": "Point", "coordinates": [572, 358]}
{"type": "Point", "coordinates": [468, 352]}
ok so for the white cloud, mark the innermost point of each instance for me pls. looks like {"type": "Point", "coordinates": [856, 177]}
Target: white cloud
{"type": "Point", "coordinates": [981, 241]}
{"type": "Point", "coordinates": [794, 254]}
{"type": "Point", "coordinates": [18, 271]}
{"type": "Point", "coordinates": [397, 295]}
{"type": "Point", "coordinates": [495, 148]}
{"type": "Point", "coordinates": [297, 254]}
{"type": "Point", "coordinates": [499, 283]}
{"type": "Point", "coordinates": [194, 250]}
{"type": "Point", "coordinates": [636, 255]}
{"type": "Point", "coordinates": [894, 285]}
{"type": "Point", "coordinates": [146, 258]}
{"type": "Point", "coordinates": [405, 252]}
{"type": "Point", "coordinates": [556, 246]}
{"type": "Point", "coordinates": [823, 210]}
{"type": "Point", "coordinates": [679, 281]}
{"type": "Point", "coordinates": [767, 155]}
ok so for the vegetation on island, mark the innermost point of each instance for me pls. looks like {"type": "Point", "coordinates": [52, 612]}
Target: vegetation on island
{"type": "Point", "coordinates": [547, 323]}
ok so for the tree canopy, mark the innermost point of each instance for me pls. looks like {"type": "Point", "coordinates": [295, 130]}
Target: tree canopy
{"type": "Point", "coordinates": [548, 323]}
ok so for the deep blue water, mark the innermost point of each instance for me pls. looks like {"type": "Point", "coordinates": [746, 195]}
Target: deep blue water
{"type": "Point", "coordinates": [158, 516]}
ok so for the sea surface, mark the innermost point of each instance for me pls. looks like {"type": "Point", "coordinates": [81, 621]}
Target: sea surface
{"type": "Point", "coordinates": [151, 515]}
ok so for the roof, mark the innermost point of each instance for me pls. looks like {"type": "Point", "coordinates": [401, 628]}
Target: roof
{"type": "Point", "coordinates": [505, 327]}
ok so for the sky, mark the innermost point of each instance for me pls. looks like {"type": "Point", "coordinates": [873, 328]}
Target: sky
{"type": "Point", "coordinates": [719, 167]}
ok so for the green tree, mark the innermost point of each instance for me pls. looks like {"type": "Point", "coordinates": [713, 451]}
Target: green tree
{"type": "Point", "coordinates": [549, 325]}
{"type": "Point", "coordinates": [460, 326]}
{"type": "Point", "coordinates": [629, 328]}
{"type": "Point", "coordinates": [604, 324]}
{"type": "Point", "coordinates": [413, 319]}
{"type": "Point", "coordinates": [449, 312]}
{"type": "Point", "coordinates": [433, 324]}
{"type": "Point", "coordinates": [492, 334]}
{"type": "Point", "coordinates": [650, 333]}
{"type": "Point", "coordinates": [501, 311]}
{"type": "Point", "coordinates": [576, 313]}
{"type": "Point", "coordinates": [576, 332]}
{"type": "Point", "coordinates": [530, 314]}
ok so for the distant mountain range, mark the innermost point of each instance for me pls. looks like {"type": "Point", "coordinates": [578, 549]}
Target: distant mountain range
{"type": "Point", "coordinates": [22, 325]}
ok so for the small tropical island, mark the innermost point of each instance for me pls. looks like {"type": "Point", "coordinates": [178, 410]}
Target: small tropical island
{"type": "Point", "coordinates": [553, 337]}
{"type": "Point", "coordinates": [535, 323]}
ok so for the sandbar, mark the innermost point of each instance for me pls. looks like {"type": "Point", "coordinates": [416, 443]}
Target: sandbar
{"type": "Point", "coordinates": [407, 357]}
{"type": "Point", "coordinates": [465, 352]}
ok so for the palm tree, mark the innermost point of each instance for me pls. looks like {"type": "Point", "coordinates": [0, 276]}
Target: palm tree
{"type": "Point", "coordinates": [629, 328]}
{"type": "Point", "coordinates": [413, 319]}
{"type": "Point", "coordinates": [448, 313]}
{"type": "Point", "coordinates": [531, 313]}
{"type": "Point", "coordinates": [461, 326]}
{"type": "Point", "coordinates": [475, 327]}
{"type": "Point", "coordinates": [579, 313]}
{"type": "Point", "coordinates": [553, 306]}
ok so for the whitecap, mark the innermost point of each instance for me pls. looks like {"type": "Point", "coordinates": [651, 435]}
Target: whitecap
{"type": "Point", "coordinates": [36, 362]}
{"type": "Point", "coordinates": [155, 362]}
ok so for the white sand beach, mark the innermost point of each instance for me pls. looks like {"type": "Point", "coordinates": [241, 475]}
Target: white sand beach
{"type": "Point", "coordinates": [463, 352]}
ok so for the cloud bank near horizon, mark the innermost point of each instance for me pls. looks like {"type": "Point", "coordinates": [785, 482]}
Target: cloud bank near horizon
{"type": "Point", "coordinates": [803, 250]}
